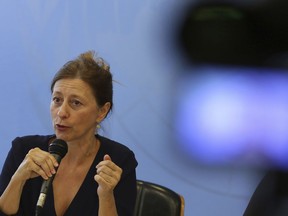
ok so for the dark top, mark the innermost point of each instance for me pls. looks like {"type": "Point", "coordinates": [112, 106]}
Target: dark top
{"type": "Point", "coordinates": [86, 200]}
{"type": "Point", "coordinates": [271, 196]}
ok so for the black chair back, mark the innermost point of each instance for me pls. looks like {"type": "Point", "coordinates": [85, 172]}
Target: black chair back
{"type": "Point", "coordinates": [157, 200]}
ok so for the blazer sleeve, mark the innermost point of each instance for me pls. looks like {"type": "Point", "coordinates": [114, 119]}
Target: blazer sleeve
{"type": "Point", "coordinates": [14, 158]}
{"type": "Point", "coordinates": [126, 190]}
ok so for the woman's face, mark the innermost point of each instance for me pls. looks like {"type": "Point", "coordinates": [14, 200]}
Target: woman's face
{"type": "Point", "coordinates": [74, 111]}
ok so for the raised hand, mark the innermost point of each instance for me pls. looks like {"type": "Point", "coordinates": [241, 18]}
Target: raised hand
{"type": "Point", "coordinates": [37, 163]}
{"type": "Point", "coordinates": [108, 175]}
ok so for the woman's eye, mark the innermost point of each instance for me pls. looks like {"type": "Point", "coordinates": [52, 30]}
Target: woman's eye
{"type": "Point", "coordinates": [76, 103]}
{"type": "Point", "coordinates": [56, 99]}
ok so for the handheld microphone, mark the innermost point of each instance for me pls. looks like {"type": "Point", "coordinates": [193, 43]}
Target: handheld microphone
{"type": "Point", "coordinates": [58, 148]}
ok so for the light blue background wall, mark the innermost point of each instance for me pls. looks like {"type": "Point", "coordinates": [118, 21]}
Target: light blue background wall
{"type": "Point", "coordinates": [38, 37]}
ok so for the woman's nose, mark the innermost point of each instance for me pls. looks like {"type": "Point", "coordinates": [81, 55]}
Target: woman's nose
{"type": "Point", "coordinates": [63, 111]}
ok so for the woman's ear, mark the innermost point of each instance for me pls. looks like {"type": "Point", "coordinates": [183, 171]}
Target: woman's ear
{"type": "Point", "coordinates": [103, 111]}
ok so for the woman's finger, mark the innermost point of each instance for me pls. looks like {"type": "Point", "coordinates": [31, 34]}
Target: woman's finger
{"type": "Point", "coordinates": [44, 162]}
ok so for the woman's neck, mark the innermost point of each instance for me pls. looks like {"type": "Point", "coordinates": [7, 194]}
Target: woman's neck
{"type": "Point", "coordinates": [79, 152]}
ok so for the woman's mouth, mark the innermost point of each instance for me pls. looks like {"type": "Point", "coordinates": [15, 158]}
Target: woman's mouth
{"type": "Point", "coordinates": [61, 127]}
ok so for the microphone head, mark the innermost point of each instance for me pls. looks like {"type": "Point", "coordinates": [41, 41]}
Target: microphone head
{"type": "Point", "coordinates": [58, 147]}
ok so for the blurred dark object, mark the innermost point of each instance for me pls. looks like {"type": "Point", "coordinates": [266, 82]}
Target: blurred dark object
{"type": "Point", "coordinates": [234, 34]}
{"type": "Point", "coordinates": [271, 196]}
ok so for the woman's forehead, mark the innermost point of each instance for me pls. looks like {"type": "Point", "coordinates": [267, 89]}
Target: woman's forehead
{"type": "Point", "coordinates": [72, 86]}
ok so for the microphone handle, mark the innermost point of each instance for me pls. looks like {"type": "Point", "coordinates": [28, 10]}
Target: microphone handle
{"type": "Point", "coordinates": [44, 190]}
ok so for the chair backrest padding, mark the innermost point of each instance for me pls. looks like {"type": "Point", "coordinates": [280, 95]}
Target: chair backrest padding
{"type": "Point", "coordinates": [156, 200]}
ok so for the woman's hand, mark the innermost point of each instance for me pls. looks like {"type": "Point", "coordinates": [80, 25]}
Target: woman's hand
{"type": "Point", "coordinates": [37, 163]}
{"type": "Point", "coordinates": [108, 175]}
